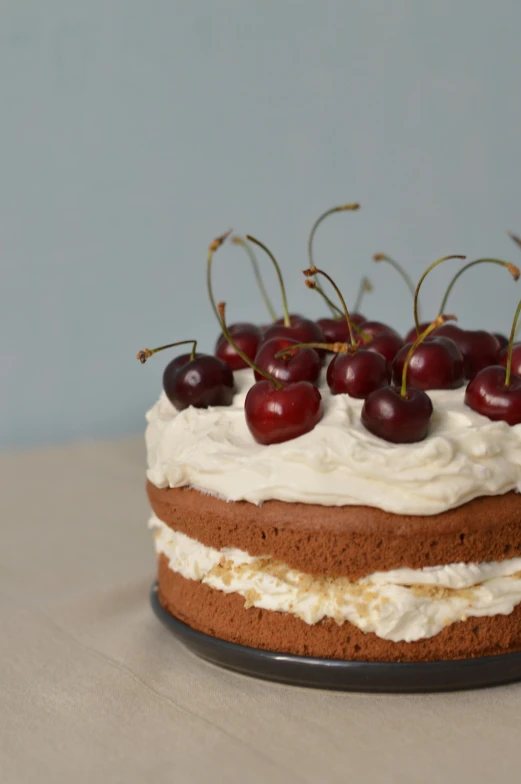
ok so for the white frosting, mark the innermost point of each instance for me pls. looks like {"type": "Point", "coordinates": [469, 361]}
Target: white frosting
{"type": "Point", "coordinates": [339, 462]}
{"type": "Point", "coordinates": [394, 605]}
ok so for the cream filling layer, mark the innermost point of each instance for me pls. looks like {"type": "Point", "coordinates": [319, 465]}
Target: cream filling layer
{"type": "Point", "coordinates": [398, 605]}
{"type": "Point", "coordinates": [339, 462]}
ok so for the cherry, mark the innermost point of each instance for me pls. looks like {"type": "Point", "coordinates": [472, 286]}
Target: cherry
{"type": "Point", "coordinates": [292, 317]}
{"type": "Point", "coordinates": [176, 363]}
{"type": "Point", "coordinates": [489, 394]}
{"type": "Point", "coordinates": [400, 419]}
{"type": "Point", "coordinates": [276, 415]}
{"type": "Point", "coordinates": [502, 340]}
{"type": "Point", "coordinates": [380, 338]}
{"type": "Point", "coordinates": [400, 414]}
{"type": "Point", "coordinates": [334, 330]}
{"type": "Point", "coordinates": [247, 336]}
{"type": "Point", "coordinates": [358, 374]}
{"type": "Point", "coordinates": [204, 381]}
{"type": "Point", "coordinates": [388, 345]}
{"type": "Point", "coordinates": [292, 365]}
{"type": "Point", "coordinates": [358, 318]}
{"type": "Point", "coordinates": [480, 349]}
{"type": "Point", "coordinates": [413, 332]}
{"type": "Point", "coordinates": [354, 371]}
{"type": "Point", "coordinates": [301, 329]}
{"type": "Point", "coordinates": [516, 358]}
{"type": "Point", "coordinates": [495, 391]}
{"type": "Point", "coordinates": [197, 380]}
{"type": "Point", "coordinates": [437, 363]}
{"type": "Point", "coordinates": [375, 329]}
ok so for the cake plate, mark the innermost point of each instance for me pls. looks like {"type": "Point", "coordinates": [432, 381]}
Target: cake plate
{"type": "Point", "coordinates": [360, 676]}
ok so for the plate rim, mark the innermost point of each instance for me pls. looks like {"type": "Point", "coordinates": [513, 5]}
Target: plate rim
{"type": "Point", "coordinates": [383, 676]}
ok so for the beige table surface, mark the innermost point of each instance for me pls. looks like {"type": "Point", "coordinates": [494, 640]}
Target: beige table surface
{"type": "Point", "coordinates": [94, 689]}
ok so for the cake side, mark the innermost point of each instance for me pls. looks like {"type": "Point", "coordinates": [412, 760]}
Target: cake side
{"type": "Point", "coordinates": [225, 616]}
{"type": "Point", "coordinates": [346, 541]}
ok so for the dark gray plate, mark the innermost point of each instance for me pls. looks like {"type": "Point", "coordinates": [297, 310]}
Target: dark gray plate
{"type": "Point", "coordinates": [344, 675]}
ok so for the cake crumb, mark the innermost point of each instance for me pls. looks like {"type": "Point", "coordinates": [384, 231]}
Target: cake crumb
{"type": "Point", "coordinates": [251, 597]}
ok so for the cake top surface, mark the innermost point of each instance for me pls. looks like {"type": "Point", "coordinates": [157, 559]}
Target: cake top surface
{"type": "Point", "coordinates": [339, 462]}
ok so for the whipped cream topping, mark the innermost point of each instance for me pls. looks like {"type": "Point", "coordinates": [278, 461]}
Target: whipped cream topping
{"type": "Point", "coordinates": [399, 605]}
{"type": "Point", "coordinates": [338, 463]}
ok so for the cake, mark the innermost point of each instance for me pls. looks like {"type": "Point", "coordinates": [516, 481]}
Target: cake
{"type": "Point", "coordinates": [338, 544]}
{"type": "Point", "coordinates": [309, 512]}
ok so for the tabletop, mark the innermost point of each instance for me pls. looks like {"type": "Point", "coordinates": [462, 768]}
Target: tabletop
{"type": "Point", "coordinates": [94, 688]}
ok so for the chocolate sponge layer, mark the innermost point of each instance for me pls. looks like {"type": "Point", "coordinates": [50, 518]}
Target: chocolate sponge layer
{"type": "Point", "coordinates": [348, 541]}
{"type": "Point", "coordinates": [223, 615]}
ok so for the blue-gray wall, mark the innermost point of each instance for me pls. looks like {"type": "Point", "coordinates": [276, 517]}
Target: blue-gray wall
{"type": "Point", "coordinates": [132, 132]}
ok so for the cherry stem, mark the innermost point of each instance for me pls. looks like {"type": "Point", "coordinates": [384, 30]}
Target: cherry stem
{"type": "Point", "coordinates": [146, 353]}
{"type": "Point", "coordinates": [256, 271]}
{"type": "Point", "coordinates": [365, 288]}
{"type": "Point", "coordinates": [417, 291]}
{"type": "Point", "coordinates": [438, 321]}
{"type": "Point", "coordinates": [335, 348]}
{"type": "Point", "coordinates": [326, 214]}
{"type": "Point", "coordinates": [366, 337]}
{"type": "Point", "coordinates": [399, 269]}
{"type": "Point", "coordinates": [335, 311]}
{"type": "Point", "coordinates": [287, 320]}
{"type": "Point", "coordinates": [211, 250]}
{"type": "Point", "coordinates": [221, 307]}
{"type": "Point", "coordinates": [514, 271]}
{"type": "Point", "coordinates": [515, 238]}
{"type": "Point", "coordinates": [511, 345]}
{"type": "Point", "coordinates": [312, 284]}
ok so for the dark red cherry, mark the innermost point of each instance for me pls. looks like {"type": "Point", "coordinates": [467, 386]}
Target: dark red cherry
{"type": "Point", "coordinates": [386, 344]}
{"type": "Point", "coordinates": [301, 364]}
{"type": "Point", "coordinates": [200, 382]}
{"type": "Point", "coordinates": [401, 420]}
{"type": "Point", "coordinates": [516, 358]}
{"type": "Point", "coordinates": [334, 330]}
{"type": "Point", "coordinates": [276, 415]}
{"type": "Point", "coordinates": [247, 337]}
{"type": "Point", "coordinates": [501, 339]}
{"type": "Point", "coordinates": [376, 328]}
{"type": "Point", "coordinates": [357, 318]}
{"type": "Point", "coordinates": [480, 349]}
{"type": "Point", "coordinates": [302, 330]}
{"type": "Point", "coordinates": [488, 395]}
{"type": "Point", "coordinates": [413, 332]}
{"type": "Point", "coordinates": [437, 363]}
{"type": "Point", "coordinates": [358, 374]}
{"type": "Point", "coordinates": [292, 317]}
{"type": "Point", "coordinates": [181, 361]}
